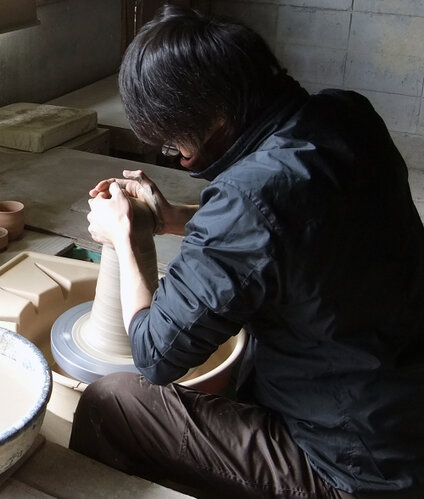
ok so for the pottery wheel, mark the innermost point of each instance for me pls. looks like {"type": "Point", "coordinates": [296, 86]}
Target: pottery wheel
{"type": "Point", "coordinates": [89, 341]}
{"type": "Point", "coordinates": [78, 359]}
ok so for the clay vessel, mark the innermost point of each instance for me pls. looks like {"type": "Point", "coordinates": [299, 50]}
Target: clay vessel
{"type": "Point", "coordinates": [4, 238]}
{"type": "Point", "coordinates": [12, 218]}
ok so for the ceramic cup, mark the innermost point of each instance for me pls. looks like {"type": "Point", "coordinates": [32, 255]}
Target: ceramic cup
{"type": "Point", "coordinates": [12, 218]}
{"type": "Point", "coordinates": [4, 238]}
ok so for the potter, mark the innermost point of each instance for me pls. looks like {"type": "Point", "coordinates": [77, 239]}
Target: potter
{"type": "Point", "coordinates": [307, 235]}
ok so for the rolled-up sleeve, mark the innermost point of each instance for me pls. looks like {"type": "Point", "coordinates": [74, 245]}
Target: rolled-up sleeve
{"type": "Point", "coordinates": [209, 291]}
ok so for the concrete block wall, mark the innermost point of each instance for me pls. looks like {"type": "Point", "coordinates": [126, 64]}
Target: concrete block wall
{"type": "Point", "coordinates": [76, 43]}
{"type": "Point", "coordinates": [375, 47]}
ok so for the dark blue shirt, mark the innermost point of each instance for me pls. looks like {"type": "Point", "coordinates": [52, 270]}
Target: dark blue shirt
{"type": "Point", "coordinates": [307, 235]}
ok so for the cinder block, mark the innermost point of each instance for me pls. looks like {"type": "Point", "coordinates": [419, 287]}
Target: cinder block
{"type": "Point", "coordinates": [400, 112]}
{"type": "Point", "coordinates": [388, 34]}
{"type": "Point", "coordinates": [262, 18]}
{"type": "Point", "coordinates": [316, 27]}
{"type": "Point", "coordinates": [312, 88]}
{"type": "Point", "coordinates": [313, 64]}
{"type": "Point", "coordinates": [411, 147]}
{"type": "Point", "coordinates": [323, 4]}
{"type": "Point", "coordinates": [385, 53]}
{"type": "Point", "coordinates": [420, 208]}
{"type": "Point", "coordinates": [421, 122]}
{"type": "Point", "coordinates": [383, 71]}
{"type": "Point", "coordinates": [416, 182]}
{"type": "Point", "coordinates": [403, 7]}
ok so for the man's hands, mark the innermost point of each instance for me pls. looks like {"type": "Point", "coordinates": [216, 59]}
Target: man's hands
{"type": "Point", "coordinates": [170, 219]}
{"type": "Point", "coordinates": [110, 217]}
{"type": "Point", "coordinates": [111, 223]}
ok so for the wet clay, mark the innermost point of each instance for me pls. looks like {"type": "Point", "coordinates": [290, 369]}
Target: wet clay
{"type": "Point", "coordinates": [101, 332]}
{"type": "Point", "coordinates": [16, 393]}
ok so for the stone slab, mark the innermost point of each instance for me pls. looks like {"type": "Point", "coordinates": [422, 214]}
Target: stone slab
{"type": "Point", "coordinates": [15, 489]}
{"type": "Point", "coordinates": [54, 471]}
{"type": "Point", "coordinates": [34, 127]}
{"type": "Point", "coordinates": [96, 141]}
{"type": "Point", "coordinates": [38, 442]}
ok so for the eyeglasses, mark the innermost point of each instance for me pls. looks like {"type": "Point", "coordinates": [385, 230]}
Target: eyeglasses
{"type": "Point", "coordinates": [170, 150]}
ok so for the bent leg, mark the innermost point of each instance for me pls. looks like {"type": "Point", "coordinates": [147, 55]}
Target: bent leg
{"type": "Point", "coordinates": [196, 439]}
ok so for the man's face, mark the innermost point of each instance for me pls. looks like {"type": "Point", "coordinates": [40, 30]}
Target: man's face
{"type": "Point", "coordinates": [188, 157]}
{"type": "Point", "coordinates": [215, 144]}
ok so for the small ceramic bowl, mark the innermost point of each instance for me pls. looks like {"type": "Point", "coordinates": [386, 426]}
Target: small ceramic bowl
{"type": "Point", "coordinates": [4, 238]}
{"type": "Point", "coordinates": [12, 218]}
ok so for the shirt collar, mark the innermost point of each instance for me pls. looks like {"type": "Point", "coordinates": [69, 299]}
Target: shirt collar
{"type": "Point", "coordinates": [268, 122]}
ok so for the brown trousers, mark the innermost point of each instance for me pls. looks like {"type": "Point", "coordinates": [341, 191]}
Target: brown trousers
{"type": "Point", "coordinates": [209, 443]}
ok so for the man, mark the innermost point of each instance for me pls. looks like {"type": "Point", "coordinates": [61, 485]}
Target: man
{"type": "Point", "coordinates": [307, 236]}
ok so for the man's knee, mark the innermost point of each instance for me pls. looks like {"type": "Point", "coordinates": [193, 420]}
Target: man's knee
{"type": "Point", "coordinates": [109, 395]}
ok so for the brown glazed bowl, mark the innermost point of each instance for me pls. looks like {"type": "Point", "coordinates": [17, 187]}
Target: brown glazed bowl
{"type": "Point", "coordinates": [4, 238]}
{"type": "Point", "coordinates": [12, 218]}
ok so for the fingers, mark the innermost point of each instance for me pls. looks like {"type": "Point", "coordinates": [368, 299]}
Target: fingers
{"type": "Point", "coordinates": [115, 190]}
{"type": "Point", "coordinates": [102, 187]}
{"type": "Point", "coordinates": [133, 174]}
{"type": "Point", "coordinates": [147, 186]}
{"type": "Point", "coordinates": [138, 175]}
{"type": "Point", "coordinates": [107, 211]}
{"type": "Point", "coordinates": [132, 181]}
{"type": "Point", "coordinates": [103, 195]}
{"type": "Point", "coordinates": [135, 183]}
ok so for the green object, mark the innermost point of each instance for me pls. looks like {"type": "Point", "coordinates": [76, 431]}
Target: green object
{"type": "Point", "coordinates": [78, 253]}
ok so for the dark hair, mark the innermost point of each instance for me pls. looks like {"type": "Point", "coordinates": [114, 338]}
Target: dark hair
{"type": "Point", "coordinates": [185, 70]}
